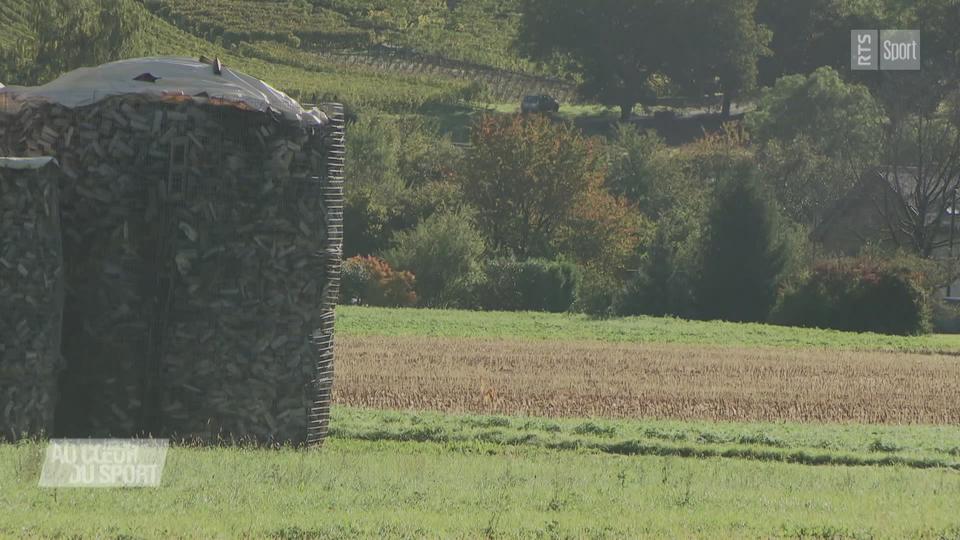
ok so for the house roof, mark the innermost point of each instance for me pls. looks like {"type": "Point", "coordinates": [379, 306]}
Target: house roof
{"type": "Point", "coordinates": [167, 78]}
{"type": "Point", "coordinates": [851, 198]}
{"type": "Point", "coordinates": [900, 180]}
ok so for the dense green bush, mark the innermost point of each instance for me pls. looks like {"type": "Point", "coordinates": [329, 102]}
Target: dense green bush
{"type": "Point", "coordinates": [945, 318]}
{"type": "Point", "coordinates": [860, 295]}
{"type": "Point", "coordinates": [371, 281]}
{"type": "Point", "coordinates": [373, 155]}
{"type": "Point", "coordinates": [365, 223]}
{"type": "Point", "coordinates": [530, 285]}
{"type": "Point", "coordinates": [645, 170]}
{"type": "Point", "coordinates": [426, 154]}
{"type": "Point", "coordinates": [663, 285]}
{"type": "Point", "coordinates": [444, 252]}
{"type": "Point", "coordinates": [597, 292]}
{"type": "Point", "coordinates": [742, 254]}
{"type": "Point", "coordinates": [398, 177]}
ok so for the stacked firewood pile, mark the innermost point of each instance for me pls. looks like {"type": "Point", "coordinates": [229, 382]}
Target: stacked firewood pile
{"type": "Point", "coordinates": [201, 241]}
{"type": "Point", "coordinates": [31, 296]}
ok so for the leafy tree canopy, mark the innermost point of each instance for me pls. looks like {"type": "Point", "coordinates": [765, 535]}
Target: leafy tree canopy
{"type": "Point", "coordinates": [843, 118]}
{"type": "Point", "coordinates": [538, 188]}
{"type": "Point", "coordinates": [629, 52]}
{"type": "Point", "coordinates": [808, 34]}
{"type": "Point", "coordinates": [816, 135]}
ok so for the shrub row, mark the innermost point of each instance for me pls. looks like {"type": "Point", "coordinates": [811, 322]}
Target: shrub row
{"type": "Point", "coordinates": [858, 295]}
{"type": "Point", "coordinates": [530, 285]}
{"type": "Point", "coordinates": [506, 285]}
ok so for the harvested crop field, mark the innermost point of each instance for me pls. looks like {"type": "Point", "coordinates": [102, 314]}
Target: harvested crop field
{"type": "Point", "coordinates": [629, 380]}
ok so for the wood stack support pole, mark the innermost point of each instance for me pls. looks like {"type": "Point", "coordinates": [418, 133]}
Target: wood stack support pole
{"type": "Point", "coordinates": [319, 417]}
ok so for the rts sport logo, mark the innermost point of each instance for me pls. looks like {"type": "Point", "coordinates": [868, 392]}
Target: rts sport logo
{"type": "Point", "coordinates": [894, 50]}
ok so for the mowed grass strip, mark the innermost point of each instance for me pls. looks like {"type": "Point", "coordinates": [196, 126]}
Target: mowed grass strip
{"type": "Point", "coordinates": [372, 321]}
{"type": "Point", "coordinates": [808, 444]}
{"type": "Point", "coordinates": [391, 490]}
{"type": "Point", "coordinates": [630, 380]}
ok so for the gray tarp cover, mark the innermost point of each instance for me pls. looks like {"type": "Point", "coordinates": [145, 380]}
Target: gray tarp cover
{"type": "Point", "coordinates": [169, 77]}
{"type": "Point", "coordinates": [18, 163]}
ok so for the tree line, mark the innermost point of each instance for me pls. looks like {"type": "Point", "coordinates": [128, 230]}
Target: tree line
{"type": "Point", "coordinates": [718, 228]}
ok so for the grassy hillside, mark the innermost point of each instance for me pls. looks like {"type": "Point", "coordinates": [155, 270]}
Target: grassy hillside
{"type": "Point", "coordinates": [279, 65]}
{"type": "Point", "coordinates": [13, 21]}
{"type": "Point", "coordinates": [478, 32]}
{"type": "Point", "coordinates": [380, 57]}
{"type": "Point", "coordinates": [472, 41]}
{"type": "Point", "coordinates": [301, 74]}
{"type": "Point", "coordinates": [369, 321]}
{"type": "Point", "coordinates": [247, 20]}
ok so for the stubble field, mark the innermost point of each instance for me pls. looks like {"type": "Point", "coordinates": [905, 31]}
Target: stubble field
{"type": "Point", "coordinates": [637, 380]}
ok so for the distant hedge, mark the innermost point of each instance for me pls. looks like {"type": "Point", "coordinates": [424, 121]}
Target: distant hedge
{"type": "Point", "coordinates": [858, 295]}
{"type": "Point", "coordinates": [528, 285]}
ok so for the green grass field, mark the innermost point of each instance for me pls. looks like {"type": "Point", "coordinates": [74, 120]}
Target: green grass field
{"type": "Point", "coordinates": [811, 444]}
{"type": "Point", "coordinates": [449, 480]}
{"type": "Point", "coordinates": [367, 321]}
{"type": "Point", "coordinates": [423, 474]}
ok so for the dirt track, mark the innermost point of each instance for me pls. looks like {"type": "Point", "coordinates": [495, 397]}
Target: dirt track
{"type": "Point", "coordinates": [544, 378]}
